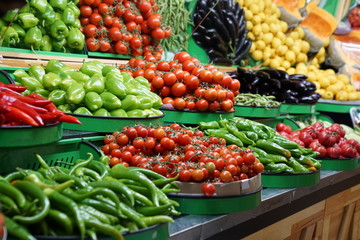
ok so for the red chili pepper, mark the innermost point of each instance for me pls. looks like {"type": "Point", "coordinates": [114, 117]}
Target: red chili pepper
{"type": "Point", "coordinates": [17, 115]}
{"type": "Point", "coordinates": [69, 119]}
{"type": "Point", "coordinates": [50, 107]}
{"type": "Point", "coordinates": [51, 117]}
{"type": "Point", "coordinates": [32, 101]}
{"type": "Point", "coordinates": [13, 101]}
{"type": "Point", "coordinates": [14, 87]}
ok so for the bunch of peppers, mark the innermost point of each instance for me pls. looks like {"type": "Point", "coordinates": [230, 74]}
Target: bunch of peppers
{"type": "Point", "coordinates": [47, 25]}
{"type": "Point", "coordinates": [94, 89]}
{"type": "Point", "coordinates": [34, 110]}
{"type": "Point", "coordinates": [85, 200]}
{"type": "Point", "coordinates": [277, 153]}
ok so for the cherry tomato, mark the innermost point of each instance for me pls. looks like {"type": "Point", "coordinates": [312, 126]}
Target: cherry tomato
{"type": "Point", "coordinates": [178, 89]}
{"type": "Point", "coordinates": [225, 176]}
{"type": "Point", "coordinates": [208, 189]}
{"type": "Point", "coordinates": [202, 105]}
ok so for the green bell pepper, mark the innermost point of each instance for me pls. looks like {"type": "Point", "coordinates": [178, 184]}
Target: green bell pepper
{"type": "Point", "coordinates": [66, 72]}
{"type": "Point", "coordinates": [58, 97]}
{"type": "Point", "coordinates": [110, 101]}
{"type": "Point", "coordinates": [118, 113]}
{"type": "Point", "coordinates": [3, 23]}
{"type": "Point", "coordinates": [115, 85]}
{"type": "Point", "coordinates": [58, 4]}
{"type": "Point", "coordinates": [10, 36]}
{"type": "Point", "coordinates": [82, 111]}
{"type": "Point", "coordinates": [39, 5]}
{"type": "Point", "coordinates": [130, 102]}
{"type": "Point", "coordinates": [31, 83]}
{"type": "Point", "coordinates": [157, 102]}
{"type": "Point", "coordinates": [97, 63]}
{"type": "Point", "coordinates": [21, 32]}
{"type": "Point", "coordinates": [156, 112]}
{"type": "Point", "coordinates": [145, 102]}
{"type": "Point", "coordinates": [26, 8]}
{"type": "Point", "coordinates": [67, 83]}
{"type": "Point", "coordinates": [48, 16]}
{"type": "Point", "coordinates": [136, 113]}
{"type": "Point", "coordinates": [46, 44]}
{"type": "Point", "coordinates": [68, 16]}
{"type": "Point", "coordinates": [75, 39]}
{"type": "Point", "coordinates": [65, 108]}
{"type": "Point", "coordinates": [74, 8]}
{"type": "Point", "coordinates": [54, 66]}
{"type": "Point", "coordinates": [93, 101]}
{"type": "Point", "coordinates": [11, 15]}
{"type": "Point", "coordinates": [143, 81]}
{"type": "Point", "coordinates": [80, 77]}
{"type": "Point", "coordinates": [107, 68]}
{"type": "Point", "coordinates": [102, 112]}
{"type": "Point", "coordinates": [33, 38]}
{"type": "Point", "coordinates": [27, 20]}
{"type": "Point", "coordinates": [75, 94]}
{"type": "Point", "coordinates": [19, 74]}
{"type": "Point", "coordinates": [37, 71]}
{"type": "Point", "coordinates": [51, 81]}
{"type": "Point", "coordinates": [59, 45]}
{"type": "Point", "coordinates": [95, 83]}
{"type": "Point", "coordinates": [90, 69]}
{"type": "Point", "coordinates": [59, 30]}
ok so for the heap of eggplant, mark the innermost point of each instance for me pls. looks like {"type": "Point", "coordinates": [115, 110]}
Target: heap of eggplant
{"type": "Point", "coordinates": [220, 29]}
{"type": "Point", "coordinates": [286, 88]}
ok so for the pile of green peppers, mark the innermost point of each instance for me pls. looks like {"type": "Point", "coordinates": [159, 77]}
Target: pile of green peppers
{"type": "Point", "coordinates": [85, 200]}
{"type": "Point", "coordinates": [47, 25]}
{"type": "Point", "coordinates": [277, 153]}
{"type": "Point", "coordinates": [95, 89]}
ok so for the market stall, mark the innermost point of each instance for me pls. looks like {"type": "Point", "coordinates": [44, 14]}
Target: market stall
{"type": "Point", "coordinates": [195, 119]}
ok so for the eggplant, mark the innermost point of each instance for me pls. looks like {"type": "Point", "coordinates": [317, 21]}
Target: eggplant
{"type": "Point", "coordinates": [197, 18]}
{"type": "Point", "coordinates": [243, 50]}
{"type": "Point", "coordinates": [220, 26]}
{"type": "Point", "coordinates": [230, 25]}
{"type": "Point", "coordinates": [201, 40]}
{"type": "Point", "coordinates": [238, 11]}
{"type": "Point", "coordinates": [222, 61]}
{"type": "Point", "coordinates": [298, 76]}
{"type": "Point", "coordinates": [231, 15]}
{"type": "Point", "coordinates": [213, 53]}
{"type": "Point", "coordinates": [312, 98]}
{"type": "Point", "coordinates": [274, 83]}
{"type": "Point", "coordinates": [217, 42]}
{"type": "Point", "coordinates": [263, 75]}
{"type": "Point", "coordinates": [202, 4]}
{"type": "Point", "coordinates": [274, 73]}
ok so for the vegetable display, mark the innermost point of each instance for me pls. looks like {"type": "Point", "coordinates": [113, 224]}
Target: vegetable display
{"type": "Point", "coordinates": [293, 88]}
{"type": "Point", "coordinates": [88, 199]}
{"type": "Point", "coordinates": [174, 151]}
{"type": "Point", "coordinates": [34, 110]}
{"type": "Point", "coordinates": [220, 28]}
{"type": "Point", "coordinates": [94, 89]}
{"type": "Point", "coordinates": [256, 100]}
{"type": "Point", "coordinates": [43, 25]}
{"type": "Point", "coordinates": [275, 152]}
{"type": "Point", "coordinates": [185, 84]}
{"type": "Point", "coordinates": [329, 141]}
{"type": "Point", "coordinates": [123, 27]}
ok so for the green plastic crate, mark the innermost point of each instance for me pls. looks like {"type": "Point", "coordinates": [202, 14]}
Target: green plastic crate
{"type": "Point", "coordinates": [82, 54]}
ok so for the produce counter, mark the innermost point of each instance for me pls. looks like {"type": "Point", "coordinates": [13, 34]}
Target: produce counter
{"type": "Point", "coordinates": [276, 204]}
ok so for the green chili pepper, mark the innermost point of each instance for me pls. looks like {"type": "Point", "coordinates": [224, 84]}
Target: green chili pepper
{"type": "Point", "coordinates": [90, 69]}
{"type": "Point", "coordinates": [298, 168]}
{"type": "Point", "coordinates": [64, 177]}
{"type": "Point", "coordinates": [35, 192]}
{"type": "Point", "coordinates": [233, 130]}
{"type": "Point", "coordinates": [10, 36]}
{"type": "Point", "coordinates": [252, 135]}
{"type": "Point", "coordinates": [82, 164]}
{"type": "Point", "coordinates": [59, 30]}
{"type": "Point", "coordinates": [75, 39]}
{"type": "Point", "coordinates": [39, 5]}
{"type": "Point", "coordinates": [17, 230]}
{"type": "Point", "coordinates": [110, 101]}
{"type": "Point", "coordinates": [306, 160]}
{"type": "Point", "coordinates": [150, 221]}
{"type": "Point", "coordinates": [97, 166]}
{"type": "Point", "coordinates": [274, 148]}
{"type": "Point", "coordinates": [95, 213]}
{"type": "Point", "coordinates": [27, 20]}
{"type": "Point", "coordinates": [103, 207]}
{"type": "Point", "coordinates": [95, 83]}
{"type": "Point", "coordinates": [284, 142]}
{"type": "Point", "coordinates": [11, 15]}
{"type": "Point", "coordinates": [114, 84]}
{"type": "Point", "coordinates": [82, 111]}
{"type": "Point", "coordinates": [122, 172]}
{"type": "Point", "coordinates": [152, 211]}
{"type": "Point", "coordinates": [143, 81]}
{"type": "Point", "coordinates": [209, 125]}
{"type": "Point", "coordinates": [59, 5]}
{"type": "Point", "coordinates": [65, 204]}
{"type": "Point", "coordinates": [62, 220]}
{"type": "Point", "coordinates": [104, 228]}
{"type": "Point", "coordinates": [33, 38]}
{"type": "Point", "coordinates": [241, 124]}
{"type": "Point", "coordinates": [278, 168]}
{"type": "Point", "coordinates": [75, 94]}
{"type": "Point", "coordinates": [9, 205]}
{"type": "Point", "coordinates": [93, 101]}
{"type": "Point", "coordinates": [223, 133]}
{"type": "Point", "coordinates": [295, 152]}
{"type": "Point", "coordinates": [54, 66]}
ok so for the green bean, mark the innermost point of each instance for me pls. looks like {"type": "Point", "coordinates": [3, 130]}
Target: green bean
{"type": "Point", "coordinates": [257, 100]}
